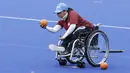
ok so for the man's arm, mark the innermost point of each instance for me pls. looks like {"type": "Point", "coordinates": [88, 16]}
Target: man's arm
{"type": "Point", "coordinates": [70, 30]}
{"type": "Point", "coordinates": [56, 28]}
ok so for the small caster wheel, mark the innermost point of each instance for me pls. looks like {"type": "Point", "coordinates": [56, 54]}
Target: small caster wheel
{"type": "Point", "coordinates": [62, 62]}
{"type": "Point", "coordinates": [81, 64]}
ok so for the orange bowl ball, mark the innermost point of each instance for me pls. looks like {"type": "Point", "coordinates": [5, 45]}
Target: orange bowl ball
{"type": "Point", "coordinates": [104, 66]}
{"type": "Point", "coordinates": [43, 22]}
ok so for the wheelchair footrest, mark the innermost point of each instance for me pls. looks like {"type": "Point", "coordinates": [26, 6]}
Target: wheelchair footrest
{"type": "Point", "coordinates": [64, 55]}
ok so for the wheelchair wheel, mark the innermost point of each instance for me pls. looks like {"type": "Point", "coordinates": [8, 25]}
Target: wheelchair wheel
{"type": "Point", "coordinates": [62, 62]}
{"type": "Point", "coordinates": [77, 52]}
{"type": "Point", "coordinates": [96, 42]}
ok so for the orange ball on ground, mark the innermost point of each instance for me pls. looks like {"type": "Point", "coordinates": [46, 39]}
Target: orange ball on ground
{"type": "Point", "coordinates": [104, 66]}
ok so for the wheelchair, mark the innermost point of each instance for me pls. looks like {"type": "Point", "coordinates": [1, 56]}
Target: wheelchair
{"type": "Point", "coordinates": [88, 45]}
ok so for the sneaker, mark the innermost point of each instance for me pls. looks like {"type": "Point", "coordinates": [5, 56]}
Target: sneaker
{"type": "Point", "coordinates": [56, 48]}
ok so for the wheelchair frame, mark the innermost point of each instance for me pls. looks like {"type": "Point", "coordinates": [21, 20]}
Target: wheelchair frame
{"type": "Point", "coordinates": [85, 41]}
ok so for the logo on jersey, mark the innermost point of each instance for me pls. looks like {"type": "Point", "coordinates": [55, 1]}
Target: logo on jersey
{"type": "Point", "coordinates": [68, 23]}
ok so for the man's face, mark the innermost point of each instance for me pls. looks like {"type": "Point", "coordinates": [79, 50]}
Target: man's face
{"type": "Point", "coordinates": [61, 14]}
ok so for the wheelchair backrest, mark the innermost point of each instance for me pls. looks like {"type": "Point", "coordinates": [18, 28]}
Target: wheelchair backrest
{"type": "Point", "coordinates": [96, 27]}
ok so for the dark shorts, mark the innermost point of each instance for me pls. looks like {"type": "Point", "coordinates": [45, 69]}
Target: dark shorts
{"type": "Point", "coordinates": [73, 37]}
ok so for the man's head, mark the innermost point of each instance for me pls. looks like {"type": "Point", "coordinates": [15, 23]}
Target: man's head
{"type": "Point", "coordinates": [61, 9]}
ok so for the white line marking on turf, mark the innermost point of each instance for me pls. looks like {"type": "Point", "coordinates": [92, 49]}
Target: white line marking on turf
{"type": "Point", "coordinates": [119, 27]}
{"type": "Point", "coordinates": [31, 19]}
{"type": "Point", "coordinates": [19, 18]}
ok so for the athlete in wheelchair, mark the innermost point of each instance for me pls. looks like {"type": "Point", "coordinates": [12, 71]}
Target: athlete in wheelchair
{"type": "Point", "coordinates": [86, 45]}
{"type": "Point", "coordinates": [81, 39]}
